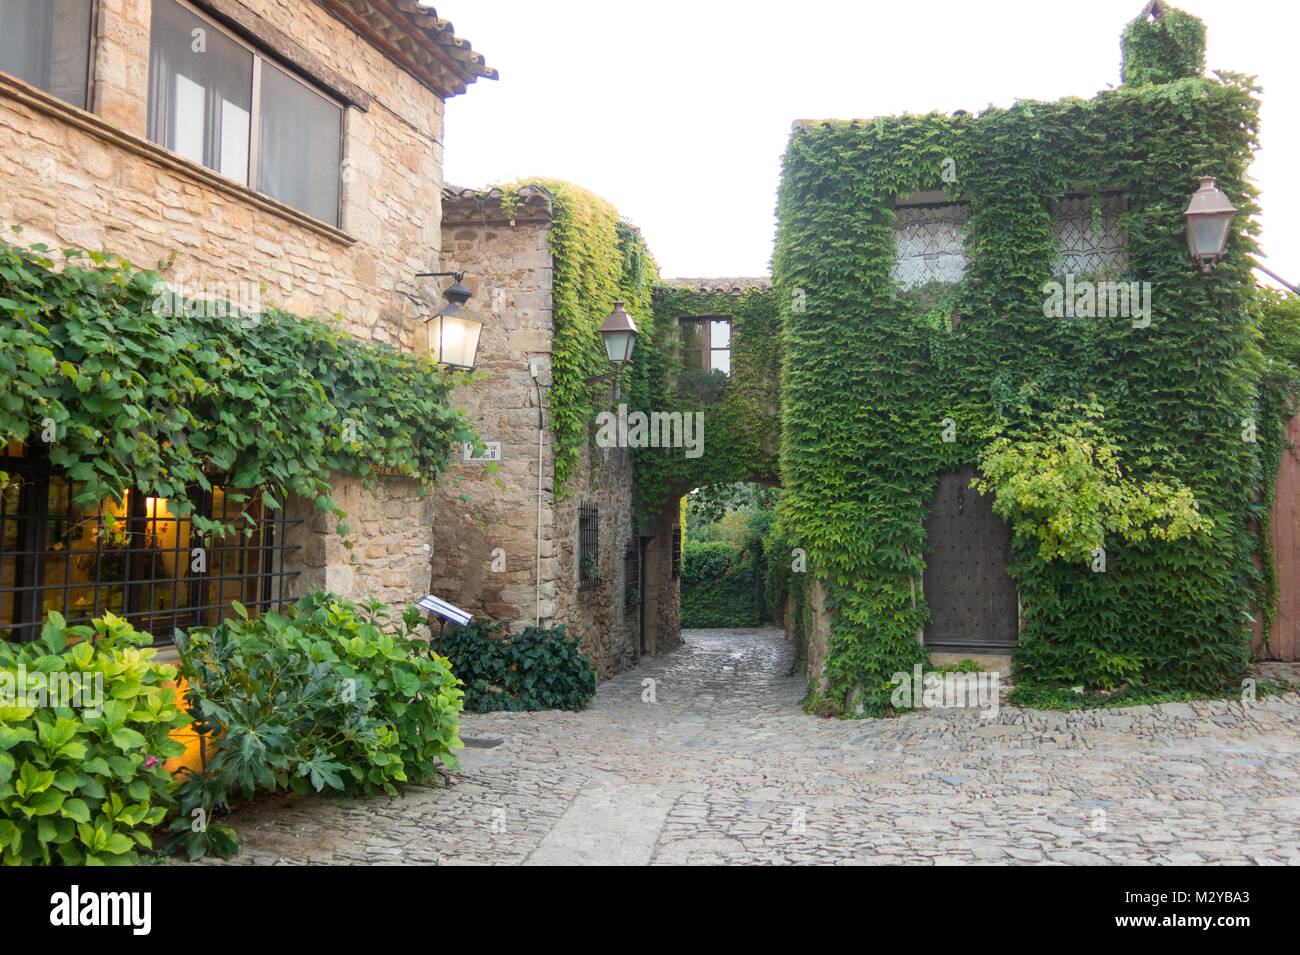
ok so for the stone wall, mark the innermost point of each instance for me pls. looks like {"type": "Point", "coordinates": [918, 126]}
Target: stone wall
{"type": "Point", "coordinates": [663, 590]}
{"type": "Point", "coordinates": [74, 179]}
{"type": "Point", "coordinates": [598, 614]}
{"type": "Point", "coordinates": [485, 553]}
{"type": "Point", "coordinates": [389, 559]}
{"type": "Point", "coordinates": [485, 559]}
{"type": "Point", "coordinates": [819, 633]}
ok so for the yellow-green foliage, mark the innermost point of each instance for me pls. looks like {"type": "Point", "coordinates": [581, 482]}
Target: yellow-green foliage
{"type": "Point", "coordinates": [1058, 479]}
{"type": "Point", "coordinates": [598, 260]}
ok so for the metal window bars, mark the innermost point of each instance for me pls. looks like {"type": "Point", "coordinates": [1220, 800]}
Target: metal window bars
{"type": "Point", "coordinates": [588, 545]}
{"type": "Point", "coordinates": [632, 575]}
{"type": "Point", "coordinates": [132, 557]}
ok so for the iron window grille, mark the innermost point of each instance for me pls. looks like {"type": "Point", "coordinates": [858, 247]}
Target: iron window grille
{"type": "Point", "coordinates": [131, 557]}
{"type": "Point", "coordinates": [677, 551]}
{"type": "Point", "coordinates": [632, 575]}
{"type": "Point", "coordinates": [588, 545]}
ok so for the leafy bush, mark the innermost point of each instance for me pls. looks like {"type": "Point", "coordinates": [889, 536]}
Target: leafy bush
{"type": "Point", "coordinates": [80, 785]}
{"type": "Point", "coordinates": [319, 698]}
{"type": "Point", "coordinates": [708, 562]}
{"type": "Point", "coordinates": [539, 669]}
{"type": "Point", "coordinates": [723, 584]}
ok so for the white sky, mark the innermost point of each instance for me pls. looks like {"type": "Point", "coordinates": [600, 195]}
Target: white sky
{"type": "Point", "coordinates": [678, 112]}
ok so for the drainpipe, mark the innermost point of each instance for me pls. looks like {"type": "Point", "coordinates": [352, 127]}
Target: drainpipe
{"type": "Point", "coordinates": [532, 369]}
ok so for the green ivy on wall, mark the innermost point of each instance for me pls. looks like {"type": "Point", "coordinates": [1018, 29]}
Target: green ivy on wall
{"type": "Point", "coordinates": [1161, 46]}
{"type": "Point", "coordinates": [598, 259]}
{"type": "Point", "coordinates": [742, 423]}
{"type": "Point", "coordinates": [870, 375]}
{"type": "Point", "coordinates": [131, 386]}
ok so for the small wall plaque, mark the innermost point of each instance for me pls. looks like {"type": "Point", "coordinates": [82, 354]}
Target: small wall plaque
{"type": "Point", "coordinates": [491, 452]}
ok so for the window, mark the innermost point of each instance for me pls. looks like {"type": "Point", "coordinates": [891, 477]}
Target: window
{"type": "Point", "coordinates": [706, 344]}
{"type": "Point", "coordinates": [588, 545]}
{"type": "Point", "coordinates": [220, 103]}
{"type": "Point", "coordinates": [131, 557]}
{"type": "Point", "coordinates": [677, 551]}
{"type": "Point", "coordinates": [929, 243]}
{"type": "Point", "coordinates": [47, 43]}
{"type": "Point", "coordinates": [632, 575]}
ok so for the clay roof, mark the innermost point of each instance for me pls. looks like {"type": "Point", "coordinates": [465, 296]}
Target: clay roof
{"type": "Point", "coordinates": [725, 285]}
{"type": "Point", "coordinates": [483, 206]}
{"type": "Point", "coordinates": [413, 36]}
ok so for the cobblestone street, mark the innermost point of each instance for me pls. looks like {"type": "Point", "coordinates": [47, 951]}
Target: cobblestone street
{"type": "Point", "coordinates": [725, 767]}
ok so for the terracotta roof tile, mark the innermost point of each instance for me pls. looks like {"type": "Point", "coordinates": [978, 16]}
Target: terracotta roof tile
{"type": "Point", "coordinates": [483, 206]}
{"type": "Point", "coordinates": [724, 285]}
{"type": "Point", "coordinates": [417, 39]}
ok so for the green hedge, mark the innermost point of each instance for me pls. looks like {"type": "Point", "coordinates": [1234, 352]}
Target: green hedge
{"type": "Point", "coordinates": [722, 585]}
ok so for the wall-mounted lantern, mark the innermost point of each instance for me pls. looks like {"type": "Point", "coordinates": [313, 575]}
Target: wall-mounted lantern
{"type": "Point", "coordinates": [1208, 216]}
{"type": "Point", "coordinates": [454, 331]}
{"type": "Point", "coordinates": [618, 332]}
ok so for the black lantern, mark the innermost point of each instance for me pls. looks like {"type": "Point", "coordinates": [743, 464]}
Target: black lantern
{"type": "Point", "coordinates": [454, 331]}
{"type": "Point", "coordinates": [1208, 216]}
{"type": "Point", "coordinates": [619, 333]}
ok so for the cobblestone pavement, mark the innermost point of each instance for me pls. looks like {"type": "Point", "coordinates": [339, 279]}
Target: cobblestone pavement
{"type": "Point", "coordinates": [725, 767]}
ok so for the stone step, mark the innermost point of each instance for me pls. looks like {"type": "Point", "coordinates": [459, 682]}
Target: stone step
{"type": "Point", "coordinates": [1001, 662]}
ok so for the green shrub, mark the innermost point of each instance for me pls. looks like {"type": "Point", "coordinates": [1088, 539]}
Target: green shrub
{"type": "Point", "coordinates": [80, 785]}
{"type": "Point", "coordinates": [539, 669]}
{"type": "Point", "coordinates": [708, 562]}
{"type": "Point", "coordinates": [319, 698]}
{"type": "Point", "coordinates": [723, 584]}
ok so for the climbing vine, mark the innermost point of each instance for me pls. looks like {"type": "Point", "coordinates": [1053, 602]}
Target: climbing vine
{"type": "Point", "coordinates": [1161, 45]}
{"type": "Point", "coordinates": [741, 412]}
{"type": "Point", "coordinates": [874, 379]}
{"type": "Point", "coordinates": [598, 259]}
{"type": "Point", "coordinates": [129, 385]}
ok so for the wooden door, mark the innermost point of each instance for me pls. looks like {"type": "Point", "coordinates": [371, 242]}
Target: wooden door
{"type": "Point", "coordinates": [972, 599]}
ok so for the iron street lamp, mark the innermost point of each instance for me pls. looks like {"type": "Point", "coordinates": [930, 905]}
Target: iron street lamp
{"type": "Point", "coordinates": [1208, 216]}
{"type": "Point", "coordinates": [618, 332]}
{"type": "Point", "coordinates": [454, 331]}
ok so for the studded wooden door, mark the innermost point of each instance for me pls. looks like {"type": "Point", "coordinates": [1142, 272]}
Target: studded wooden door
{"type": "Point", "coordinates": [972, 598]}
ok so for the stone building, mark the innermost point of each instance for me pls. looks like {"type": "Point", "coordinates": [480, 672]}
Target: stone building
{"type": "Point", "coordinates": [513, 553]}
{"type": "Point", "coordinates": [273, 151]}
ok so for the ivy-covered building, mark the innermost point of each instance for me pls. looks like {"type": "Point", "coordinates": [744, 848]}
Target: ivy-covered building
{"type": "Point", "coordinates": [1007, 297]}
{"type": "Point", "coordinates": [551, 536]}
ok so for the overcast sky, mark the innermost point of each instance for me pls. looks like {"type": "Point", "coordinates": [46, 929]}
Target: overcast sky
{"type": "Point", "coordinates": [678, 112]}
